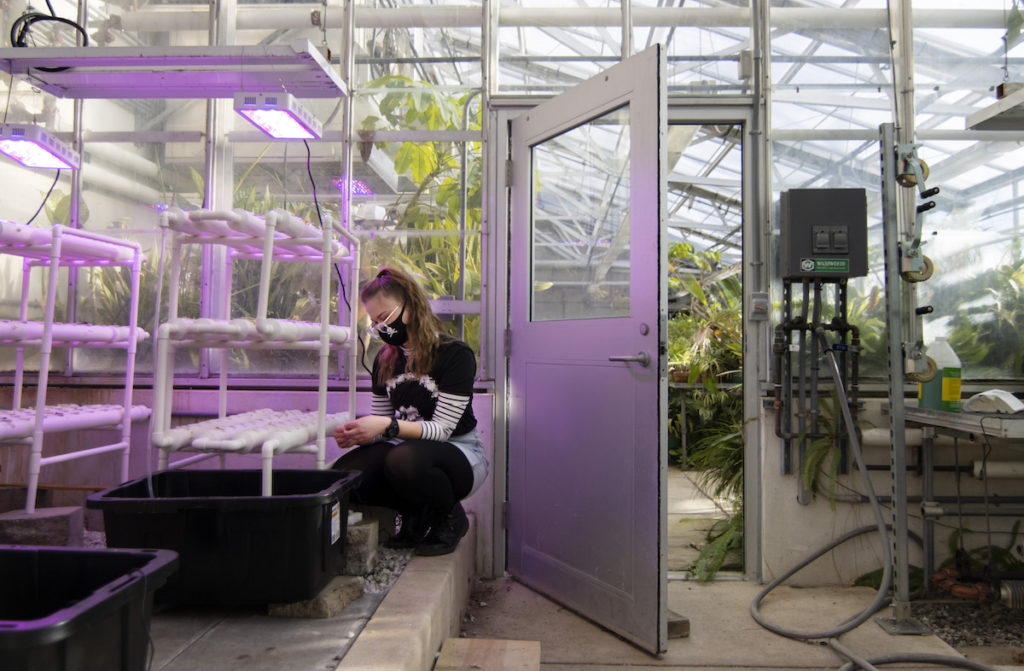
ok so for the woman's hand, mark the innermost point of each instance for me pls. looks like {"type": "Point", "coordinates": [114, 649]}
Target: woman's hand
{"type": "Point", "coordinates": [361, 430]}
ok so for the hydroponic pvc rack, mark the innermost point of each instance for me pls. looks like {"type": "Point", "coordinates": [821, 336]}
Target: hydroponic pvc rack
{"type": "Point", "coordinates": [277, 236]}
{"type": "Point", "coordinates": [54, 247]}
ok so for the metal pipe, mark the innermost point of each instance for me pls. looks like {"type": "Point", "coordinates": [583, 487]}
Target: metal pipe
{"type": "Point", "coordinates": [121, 157]}
{"type": "Point", "coordinates": [464, 156]}
{"type": "Point", "coordinates": [626, 23]}
{"type": "Point", "coordinates": [997, 469]}
{"type": "Point", "coordinates": [195, 17]}
{"type": "Point", "coordinates": [897, 411]}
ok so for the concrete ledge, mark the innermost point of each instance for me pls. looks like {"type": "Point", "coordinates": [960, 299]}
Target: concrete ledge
{"type": "Point", "coordinates": [46, 526]}
{"type": "Point", "coordinates": [422, 609]}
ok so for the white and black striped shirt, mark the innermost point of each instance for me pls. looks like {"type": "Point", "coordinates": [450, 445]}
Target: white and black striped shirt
{"type": "Point", "coordinates": [441, 402]}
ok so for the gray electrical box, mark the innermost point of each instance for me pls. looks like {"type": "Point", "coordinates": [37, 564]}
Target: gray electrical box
{"type": "Point", "coordinates": [824, 233]}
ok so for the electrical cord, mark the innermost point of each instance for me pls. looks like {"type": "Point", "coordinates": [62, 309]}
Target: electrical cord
{"type": "Point", "coordinates": [22, 28]}
{"type": "Point", "coordinates": [880, 598]}
{"type": "Point", "coordinates": [45, 198]}
{"type": "Point", "coordinates": [341, 281]}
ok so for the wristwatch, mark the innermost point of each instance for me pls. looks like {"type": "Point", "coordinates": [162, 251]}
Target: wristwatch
{"type": "Point", "coordinates": [392, 429]}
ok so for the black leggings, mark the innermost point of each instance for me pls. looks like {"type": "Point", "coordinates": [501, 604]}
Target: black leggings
{"type": "Point", "coordinates": [410, 475]}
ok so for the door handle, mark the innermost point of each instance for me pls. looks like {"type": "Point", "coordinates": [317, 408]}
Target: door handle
{"type": "Point", "coordinates": [642, 358]}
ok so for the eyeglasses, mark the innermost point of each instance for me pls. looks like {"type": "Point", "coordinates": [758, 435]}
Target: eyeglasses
{"type": "Point", "coordinates": [375, 329]}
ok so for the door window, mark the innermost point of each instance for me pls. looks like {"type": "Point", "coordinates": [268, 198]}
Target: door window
{"type": "Point", "coordinates": [580, 216]}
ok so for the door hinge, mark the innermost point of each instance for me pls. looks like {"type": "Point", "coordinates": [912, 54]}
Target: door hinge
{"type": "Point", "coordinates": [508, 173]}
{"type": "Point", "coordinates": [504, 514]}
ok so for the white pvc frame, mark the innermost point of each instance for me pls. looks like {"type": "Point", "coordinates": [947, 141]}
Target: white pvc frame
{"type": "Point", "coordinates": [279, 236]}
{"type": "Point", "coordinates": [54, 247]}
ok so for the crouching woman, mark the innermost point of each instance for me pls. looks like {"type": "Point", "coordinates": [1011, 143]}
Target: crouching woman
{"type": "Point", "coordinates": [418, 450]}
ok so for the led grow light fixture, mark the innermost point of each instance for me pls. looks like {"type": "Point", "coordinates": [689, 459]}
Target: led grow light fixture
{"type": "Point", "coordinates": [279, 115]}
{"type": "Point", "coordinates": [36, 147]}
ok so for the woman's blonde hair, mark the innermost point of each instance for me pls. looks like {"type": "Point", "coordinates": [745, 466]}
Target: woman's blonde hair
{"type": "Point", "coordinates": [423, 325]}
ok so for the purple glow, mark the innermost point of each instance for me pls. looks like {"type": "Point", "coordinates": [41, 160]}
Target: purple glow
{"type": "Point", "coordinates": [359, 187]}
{"type": "Point", "coordinates": [278, 124]}
{"type": "Point", "coordinates": [33, 147]}
{"type": "Point", "coordinates": [279, 115]}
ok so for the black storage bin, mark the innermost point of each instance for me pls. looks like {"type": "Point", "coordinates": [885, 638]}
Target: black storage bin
{"type": "Point", "coordinates": [69, 609]}
{"type": "Point", "coordinates": [236, 547]}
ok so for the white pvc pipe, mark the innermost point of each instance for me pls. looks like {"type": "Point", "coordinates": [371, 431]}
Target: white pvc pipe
{"type": "Point", "coordinates": [36, 452]}
{"type": "Point", "coordinates": [265, 267]}
{"type": "Point", "coordinates": [19, 369]}
{"type": "Point", "coordinates": [66, 417]}
{"type": "Point", "coordinates": [879, 437]}
{"type": "Point", "coordinates": [998, 469]}
{"type": "Point", "coordinates": [73, 334]}
{"type": "Point", "coordinates": [36, 242]}
{"type": "Point", "coordinates": [262, 17]}
{"type": "Point", "coordinates": [117, 155]}
{"type": "Point", "coordinates": [92, 451]}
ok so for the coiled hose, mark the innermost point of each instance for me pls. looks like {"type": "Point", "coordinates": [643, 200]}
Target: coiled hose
{"type": "Point", "coordinates": [831, 635]}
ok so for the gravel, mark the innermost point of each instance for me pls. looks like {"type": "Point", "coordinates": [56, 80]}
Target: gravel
{"type": "Point", "coordinates": [390, 564]}
{"type": "Point", "coordinates": [94, 539]}
{"type": "Point", "coordinates": [964, 624]}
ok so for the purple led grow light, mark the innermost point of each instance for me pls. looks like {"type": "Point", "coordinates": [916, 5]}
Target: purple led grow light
{"type": "Point", "coordinates": [279, 115]}
{"type": "Point", "coordinates": [34, 147]}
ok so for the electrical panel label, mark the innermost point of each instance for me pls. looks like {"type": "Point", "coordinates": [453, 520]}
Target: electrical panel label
{"type": "Point", "coordinates": [335, 523]}
{"type": "Point", "coordinates": [825, 265]}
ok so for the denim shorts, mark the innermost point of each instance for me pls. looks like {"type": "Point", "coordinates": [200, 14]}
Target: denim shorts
{"type": "Point", "coordinates": [473, 447]}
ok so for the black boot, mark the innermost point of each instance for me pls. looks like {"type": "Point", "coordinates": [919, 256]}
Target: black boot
{"type": "Point", "coordinates": [444, 533]}
{"type": "Point", "coordinates": [410, 534]}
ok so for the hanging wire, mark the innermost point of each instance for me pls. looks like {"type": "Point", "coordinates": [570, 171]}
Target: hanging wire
{"type": "Point", "coordinates": [10, 89]}
{"type": "Point", "coordinates": [341, 281]}
{"type": "Point", "coordinates": [45, 198]}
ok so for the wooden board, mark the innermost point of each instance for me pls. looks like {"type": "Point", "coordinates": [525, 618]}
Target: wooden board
{"type": "Point", "coordinates": [488, 654]}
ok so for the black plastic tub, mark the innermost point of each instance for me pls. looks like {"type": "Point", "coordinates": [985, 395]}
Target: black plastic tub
{"type": "Point", "coordinates": [236, 547]}
{"type": "Point", "coordinates": [69, 609]}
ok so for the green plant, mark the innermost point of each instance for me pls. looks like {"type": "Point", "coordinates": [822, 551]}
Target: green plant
{"type": "Point", "coordinates": [986, 333]}
{"type": "Point", "coordinates": [984, 558]}
{"type": "Point", "coordinates": [705, 350]}
{"type": "Point", "coordinates": [723, 549]}
{"type": "Point", "coordinates": [446, 265]}
{"type": "Point", "coordinates": [820, 469]}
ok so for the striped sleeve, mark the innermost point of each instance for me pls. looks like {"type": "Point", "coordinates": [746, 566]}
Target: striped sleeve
{"type": "Point", "coordinates": [446, 416]}
{"type": "Point", "coordinates": [381, 405]}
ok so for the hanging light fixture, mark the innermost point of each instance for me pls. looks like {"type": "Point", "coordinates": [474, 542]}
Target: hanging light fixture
{"type": "Point", "coordinates": [279, 115]}
{"type": "Point", "coordinates": [35, 147]}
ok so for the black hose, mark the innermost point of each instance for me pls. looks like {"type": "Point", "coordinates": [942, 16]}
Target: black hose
{"type": "Point", "coordinates": [22, 27]}
{"type": "Point", "coordinates": [880, 526]}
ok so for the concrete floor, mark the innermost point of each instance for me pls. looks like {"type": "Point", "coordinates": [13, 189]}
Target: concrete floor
{"type": "Point", "coordinates": [723, 635]}
{"type": "Point", "coordinates": [246, 639]}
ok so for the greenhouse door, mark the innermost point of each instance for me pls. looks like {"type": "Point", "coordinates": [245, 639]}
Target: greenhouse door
{"type": "Point", "coordinates": [587, 386]}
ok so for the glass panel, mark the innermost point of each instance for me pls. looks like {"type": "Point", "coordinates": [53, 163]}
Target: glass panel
{"type": "Point", "coordinates": [156, 162]}
{"type": "Point", "coordinates": [580, 251]}
{"type": "Point", "coordinates": [974, 233]}
{"type": "Point", "coordinates": [410, 211]}
{"type": "Point", "coordinates": [702, 59]}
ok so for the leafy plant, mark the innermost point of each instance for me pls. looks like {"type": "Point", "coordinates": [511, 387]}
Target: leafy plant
{"type": "Point", "coordinates": [705, 349]}
{"type": "Point", "coordinates": [434, 204]}
{"type": "Point", "coordinates": [723, 549]}
{"type": "Point", "coordinates": [986, 333]}
{"type": "Point", "coordinates": [982, 559]}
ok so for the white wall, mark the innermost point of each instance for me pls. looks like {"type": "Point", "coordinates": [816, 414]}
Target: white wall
{"type": "Point", "coordinates": [791, 531]}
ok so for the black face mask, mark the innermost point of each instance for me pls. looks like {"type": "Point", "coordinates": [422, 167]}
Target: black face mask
{"type": "Point", "coordinates": [395, 333]}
